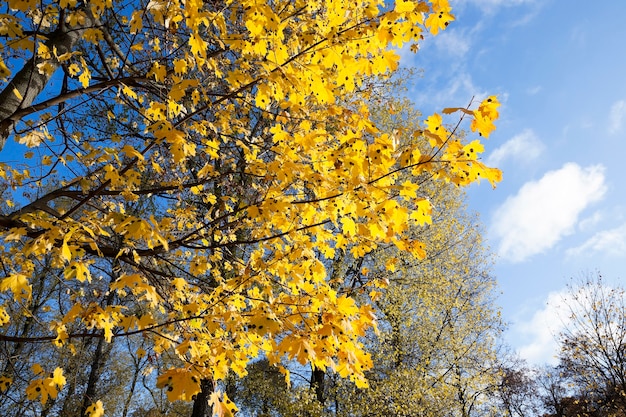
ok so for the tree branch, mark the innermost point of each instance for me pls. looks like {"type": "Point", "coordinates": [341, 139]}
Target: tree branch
{"type": "Point", "coordinates": [29, 82]}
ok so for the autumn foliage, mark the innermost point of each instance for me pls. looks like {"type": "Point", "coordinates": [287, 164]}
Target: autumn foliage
{"type": "Point", "coordinates": [186, 171]}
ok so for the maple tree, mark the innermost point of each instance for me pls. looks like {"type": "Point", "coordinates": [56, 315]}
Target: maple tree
{"type": "Point", "coordinates": [185, 171]}
{"type": "Point", "coordinates": [435, 351]}
{"type": "Point", "coordinates": [436, 354]}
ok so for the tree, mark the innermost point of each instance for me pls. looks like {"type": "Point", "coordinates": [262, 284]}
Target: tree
{"type": "Point", "coordinates": [518, 391]}
{"type": "Point", "coordinates": [556, 392]}
{"type": "Point", "coordinates": [192, 167]}
{"type": "Point", "coordinates": [588, 380]}
{"type": "Point", "coordinates": [434, 352]}
{"type": "Point", "coordinates": [593, 345]}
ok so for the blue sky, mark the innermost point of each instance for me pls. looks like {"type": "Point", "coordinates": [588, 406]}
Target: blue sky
{"type": "Point", "coordinates": [559, 69]}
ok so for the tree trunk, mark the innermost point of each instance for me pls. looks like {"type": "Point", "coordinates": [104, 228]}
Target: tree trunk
{"type": "Point", "coordinates": [99, 359]}
{"type": "Point", "coordinates": [131, 391]}
{"type": "Point", "coordinates": [29, 82]}
{"type": "Point", "coordinates": [201, 402]}
{"type": "Point", "coordinates": [94, 376]}
{"type": "Point", "coordinates": [317, 383]}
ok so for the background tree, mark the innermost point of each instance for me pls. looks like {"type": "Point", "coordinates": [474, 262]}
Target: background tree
{"type": "Point", "coordinates": [593, 345]}
{"type": "Point", "coordinates": [557, 392]}
{"type": "Point", "coordinates": [518, 392]}
{"type": "Point", "coordinates": [589, 379]}
{"type": "Point", "coordinates": [189, 173]}
{"type": "Point", "coordinates": [434, 353]}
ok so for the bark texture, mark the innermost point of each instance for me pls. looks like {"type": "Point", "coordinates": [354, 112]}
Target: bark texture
{"type": "Point", "coordinates": [29, 82]}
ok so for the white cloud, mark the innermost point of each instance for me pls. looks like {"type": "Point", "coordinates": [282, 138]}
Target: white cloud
{"type": "Point", "coordinates": [544, 211]}
{"type": "Point", "coordinates": [541, 331]}
{"type": "Point", "coordinates": [491, 6]}
{"type": "Point", "coordinates": [453, 42]}
{"type": "Point", "coordinates": [455, 91]}
{"type": "Point", "coordinates": [588, 223]}
{"type": "Point", "coordinates": [617, 116]}
{"type": "Point", "coordinates": [534, 90]}
{"type": "Point", "coordinates": [522, 147]}
{"type": "Point", "coordinates": [606, 242]}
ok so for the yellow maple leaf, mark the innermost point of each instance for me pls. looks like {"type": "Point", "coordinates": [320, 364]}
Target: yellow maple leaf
{"type": "Point", "coordinates": [263, 325]}
{"type": "Point", "coordinates": [472, 149]}
{"type": "Point", "coordinates": [158, 71]}
{"type": "Point", "coordinates": [439, 20]}
{"type": "Point", "coordinates": [77, 270]}
{"type": "Point", "coordinates": [222, 407]}
{"type": "Point", "coordinates": [32, 139]}
{"type": "Point", "coordinates": [95, 409]}
{"type": "Point", "coordinates": [85, 75]}
{"type": "Point", "coordinates": [4, 317]}
{"type": "Point", "coordinates": [129, 93]}
{"type": "Point", "coordinates": [19, 286]}
{"type": "Point", "coordinates": [409, 190]}
{"type": "Point", "coordinates": [4, 70]}
{"type": "Point", "coordinates": [349, 226]}
{"type": "Point", "coordinates": [66, 253]}
{"type": "Point", "coordinates": [45, 388]}
{"type": "Point", "coordinates": [484, 125]}
{"type": "Point", "coordinates": [181, 384]}
{"type": "Point", "coordinates": [112, 175]}
{"type": "Point", "coordinates": [180, 66]}
{"type": "Point", "coordinates": [62, 335]}
{"type": "Point", "coordinates": [376, 230]}
{"type": "Point", "coordinates": [493, 175]}
{"type": "Point", "coordinates": [131, 152]}
{"type": "Point", "coordinates": [15, 233]}
{"type": "Point", "coordinates": [92, 35]}
{"type": "Point", "coordinates": [422, 212]}
{"type": "Point", "coordinates": [485, 116]}
{"type": "Point", "coordinates": [136, 23]}
{"type": "Point", "coordinates": [57, 377]}
{"type": "Point", "coordinates": [323, 93]}
{"type": "Point", "coordinates": [433, 123]}
{"type": "Point", "coordinates": [73, 69]}
{"type": "Point", "coordinates": [37, 369]}
{"type": "Point", "coordinates": [263, 96]}
{"type": "Point", "coordinates": [46, 68]}
{"type": "Point", "coordinates": [404, 6]}
{"type": "Point", "coordinates": [346, 306]}
{"type": "Point", "coordinates": [5, 383]}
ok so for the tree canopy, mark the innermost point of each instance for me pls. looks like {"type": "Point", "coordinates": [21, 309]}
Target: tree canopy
{"type": "Point", "coordinates": [180, 174]}
{"type": "Point", "coordinates": [435, 350]}
{"type": "Point", "coordinates": [590, 378]}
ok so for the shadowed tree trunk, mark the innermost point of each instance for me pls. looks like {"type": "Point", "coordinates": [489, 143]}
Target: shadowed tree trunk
{"type": "Point", "coordinates": [100, 357]}
{"type": "Point", "coordinates": [201, 401]}
{"type": "Point", "coordinates": [94, 375]}
{"type": "Point", "coordinates": [317, 383]}
{"type": "Point", "coordinates": [29, 82]}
